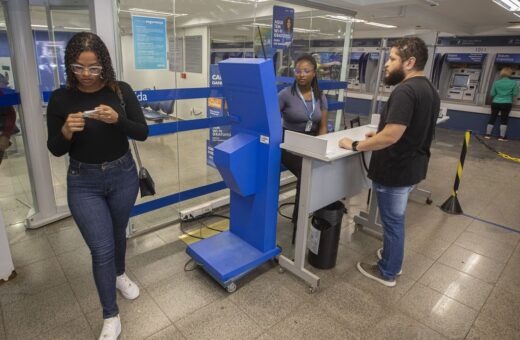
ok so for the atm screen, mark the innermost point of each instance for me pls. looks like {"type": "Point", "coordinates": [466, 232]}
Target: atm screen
{"type": "Point", "coordinates": [460, 80]}
{"type": "Point", "coordinates": [352, 73]}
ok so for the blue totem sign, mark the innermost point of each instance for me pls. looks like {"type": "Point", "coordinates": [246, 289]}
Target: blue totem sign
{"type": "Point", "coordinates": [249, 163]}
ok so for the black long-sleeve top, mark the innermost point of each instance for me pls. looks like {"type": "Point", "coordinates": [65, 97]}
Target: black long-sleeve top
{"type": "Point", "coordinates": [99, 142]}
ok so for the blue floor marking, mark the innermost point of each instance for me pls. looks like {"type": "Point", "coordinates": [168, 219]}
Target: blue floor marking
{"type": "Point", "coordinates": [493, 224]}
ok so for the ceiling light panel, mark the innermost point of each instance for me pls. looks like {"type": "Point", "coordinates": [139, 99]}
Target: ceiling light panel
{"type": "Point", "coordinates": [510, 5]}
{"type": "Point", "coordinates": [149, 11]}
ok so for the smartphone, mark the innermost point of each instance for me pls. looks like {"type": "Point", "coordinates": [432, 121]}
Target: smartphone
{"type": "Point", "coordinates": [88, 113]}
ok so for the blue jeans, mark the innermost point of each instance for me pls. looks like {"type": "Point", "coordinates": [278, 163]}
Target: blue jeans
{"type": "Point", "coordinates": [100, 198]}
{"type": "Point", "coordinates": [392, 203]}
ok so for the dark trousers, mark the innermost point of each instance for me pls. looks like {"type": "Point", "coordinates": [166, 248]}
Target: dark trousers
{"type": "Point", "coordinates": [100, 198]}
{"type": "Point", "coordinates": [504, 109]}
{"type": "Point", "coordinates": [294, 164]}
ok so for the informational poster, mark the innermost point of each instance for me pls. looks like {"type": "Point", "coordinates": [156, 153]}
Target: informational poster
{"type": "Point", "coordinates": [193, 49]}
{"type": "Point", "coordinates": [283, 26]}
{"type": "Point", "coordinates": [216, 108]}
{"type": "Point", "coordinates": [176, 54]}
{"type": "Point", "coordinates": [149, 35]}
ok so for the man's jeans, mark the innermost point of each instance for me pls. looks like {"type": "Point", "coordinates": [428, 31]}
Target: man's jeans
{"type": "Point", "coordinates": [100, 198]}
{"type": "Point", "coordinates": [392, 207]}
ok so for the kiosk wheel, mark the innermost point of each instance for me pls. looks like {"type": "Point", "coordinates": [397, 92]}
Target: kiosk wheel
{"type": "Point", "coordinates": [429, 201]}
{"type": "Point", "coordinates": [231, 288]}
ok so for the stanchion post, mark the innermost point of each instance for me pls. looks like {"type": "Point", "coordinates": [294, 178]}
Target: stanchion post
{"type": "Point", "coordinates": [452, 205]}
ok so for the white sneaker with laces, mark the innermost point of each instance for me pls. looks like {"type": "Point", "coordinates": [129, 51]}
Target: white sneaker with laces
{"type": "Point", "coordinates": [380, 256]}
{"type": "Point", "coordinates": [127, 287]}
{"type": "Point", "coordinates": [111, 329]}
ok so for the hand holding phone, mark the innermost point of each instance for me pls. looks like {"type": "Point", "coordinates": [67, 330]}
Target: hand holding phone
{"type": "Point", "coordinates": [89, 113]}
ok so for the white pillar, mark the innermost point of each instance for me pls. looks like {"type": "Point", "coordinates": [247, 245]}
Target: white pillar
{"type": "Point", "coordinates": [23, 58]}
{"type": "Point", "coordinates": [6, 262]}
{"type": "Point", "coordinates": [105, 23]}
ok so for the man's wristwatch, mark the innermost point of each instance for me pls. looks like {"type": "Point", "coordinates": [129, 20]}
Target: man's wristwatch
{"type": "Point", "coordinates": [354, 145]}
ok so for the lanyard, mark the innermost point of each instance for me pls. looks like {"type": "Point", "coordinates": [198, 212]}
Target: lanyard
{"type": "Point", "coordinates": [309, 113]}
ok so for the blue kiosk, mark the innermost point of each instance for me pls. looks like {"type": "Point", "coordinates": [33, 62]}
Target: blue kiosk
{"type": "Point", "coordinates": [249, 163]}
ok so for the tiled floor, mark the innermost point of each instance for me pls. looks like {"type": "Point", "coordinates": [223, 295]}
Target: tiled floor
{"type": "Point", "coordinates": [461, 276]}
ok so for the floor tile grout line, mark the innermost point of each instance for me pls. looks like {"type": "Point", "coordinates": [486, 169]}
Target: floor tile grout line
{"type": "Point", "coordinates": [486, 256]}
{"type": "Point", "coordinates": [166, 314]}
{"type": "Point", "coordinates": [164, 328]}
{"type": "Point", "coordinates": [413, 316]}
{"type": "Point", "coordinates": [75, 296]}
{"type": "Point", "coordinates": [285, 317]}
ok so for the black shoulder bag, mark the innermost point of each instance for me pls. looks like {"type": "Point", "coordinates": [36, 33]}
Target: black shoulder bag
{"type": "Point", "coordinates": [146, 183]}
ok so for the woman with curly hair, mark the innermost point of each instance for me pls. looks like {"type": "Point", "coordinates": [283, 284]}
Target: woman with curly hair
{"type": "Point", "coordinates": [91, 120]}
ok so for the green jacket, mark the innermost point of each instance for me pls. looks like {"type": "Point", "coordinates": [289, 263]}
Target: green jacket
{"type": "Point", "coordinates": [504, 90]}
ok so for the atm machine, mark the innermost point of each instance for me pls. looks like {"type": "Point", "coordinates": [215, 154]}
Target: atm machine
{"type": "Point", "coordinates": [460, 76]}
{"type": "Point", "coordinates": [353, 76]}
{"type": "Point", "coordinates": [369, 75]}
{"type": "Point", "coordinates": [501, 60]}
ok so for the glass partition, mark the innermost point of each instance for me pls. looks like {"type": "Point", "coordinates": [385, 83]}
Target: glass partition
{"type": "Point", "coordinates": [16, 199]}
{"type": "Point", "coordinates": [192, 36]}
{"type": "Point", "coordinates": [52, 28]}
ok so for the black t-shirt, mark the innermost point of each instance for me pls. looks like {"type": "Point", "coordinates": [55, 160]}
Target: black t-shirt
{"type": "Point", "coordinates": [98, 142]}
{"type": "Point", "coordinates": [416, 104]}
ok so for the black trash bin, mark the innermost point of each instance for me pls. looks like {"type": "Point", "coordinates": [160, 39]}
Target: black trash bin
{"type": "Point", "coordinates": [324, 238]}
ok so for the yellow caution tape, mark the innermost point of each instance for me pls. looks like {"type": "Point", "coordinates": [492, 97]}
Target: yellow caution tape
{"type": "Point", "coordinates": [508, 157]}
{"type": "Point", "coordinates": [501, 154]}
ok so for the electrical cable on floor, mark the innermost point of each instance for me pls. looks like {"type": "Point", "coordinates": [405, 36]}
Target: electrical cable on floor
{"type": "Point", "coordinates": [364, 161]}
{"type": "Point", "coordinates": [188, 234]}
{"type": "Point", "coordinates": [203, 225]}
{"type": "Point", "coordinates": [283, 205]}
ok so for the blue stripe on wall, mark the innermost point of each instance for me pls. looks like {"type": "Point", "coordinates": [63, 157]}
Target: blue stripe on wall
{"type": "Point", "coordinates": [188, 125]}
{"type": "Point", "coordinates": [176, 198]}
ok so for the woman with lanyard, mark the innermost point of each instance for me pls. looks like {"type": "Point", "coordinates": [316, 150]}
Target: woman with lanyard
{"type": "Point", "coordinates": [304, 109]}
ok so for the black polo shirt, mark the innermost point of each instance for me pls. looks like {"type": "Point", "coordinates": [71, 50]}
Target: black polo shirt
{"type": "Point", "coordinates": [415, 103]}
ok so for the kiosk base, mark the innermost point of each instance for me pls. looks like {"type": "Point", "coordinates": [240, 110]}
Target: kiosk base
{"type": "Point", "coordinates": [227, 257]}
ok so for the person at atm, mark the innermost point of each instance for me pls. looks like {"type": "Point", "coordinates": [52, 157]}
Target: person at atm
{"type": "Point", "coordinates": [304, 109]}
{"type": "Point", "coordinates": [503, 91]}
{"type": "Point", "coordinates": [401, 150]}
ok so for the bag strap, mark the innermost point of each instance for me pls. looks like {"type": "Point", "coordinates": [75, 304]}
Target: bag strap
{"type": "Point", "coordinates": [134, 144]}
{"type": "Point", "coordinates": [136, 151]}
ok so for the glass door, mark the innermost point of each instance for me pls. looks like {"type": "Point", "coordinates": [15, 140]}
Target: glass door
{"type": "Point", "coordinates": [53, 26]}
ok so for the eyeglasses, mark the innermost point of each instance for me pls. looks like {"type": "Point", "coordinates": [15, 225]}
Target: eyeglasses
{"type": "Point", "coordinates": [79, 69]}
{"type": "Point", "coordinates": [304, 71]}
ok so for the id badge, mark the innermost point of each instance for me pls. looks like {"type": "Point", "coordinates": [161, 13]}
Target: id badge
{"type": "Point", "coordinates": [308, 127]}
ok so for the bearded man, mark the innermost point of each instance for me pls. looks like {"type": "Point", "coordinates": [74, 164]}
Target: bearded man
{"type": "Point", "coordinates": [401, 150]}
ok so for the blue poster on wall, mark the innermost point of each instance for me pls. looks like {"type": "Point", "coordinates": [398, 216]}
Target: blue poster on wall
{"type": "Point", "coordinates": [283, 25]}
{"type": "Point", "coordinates": [149, 35]}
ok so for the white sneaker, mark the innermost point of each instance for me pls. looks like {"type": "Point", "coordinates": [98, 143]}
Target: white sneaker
{"type": "Point", "coordinates": [111, 329]}
{"type": "Point", "coordinates": [380, 256]}
{"type": "Point", "coordinates": [127, 287]}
